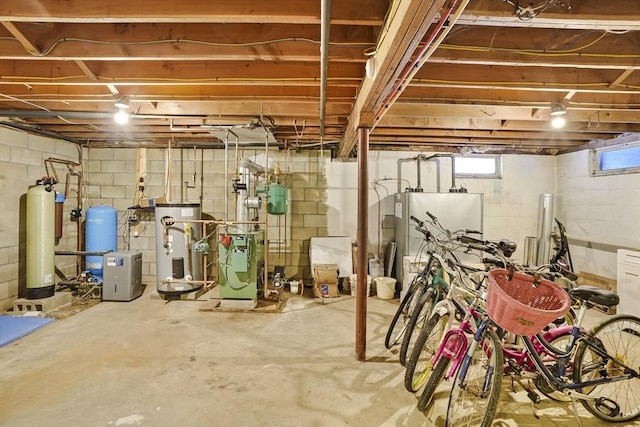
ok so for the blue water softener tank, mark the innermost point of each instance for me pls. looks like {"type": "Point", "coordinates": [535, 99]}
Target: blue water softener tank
{"type": "Point", "coordinates": [101, 235]}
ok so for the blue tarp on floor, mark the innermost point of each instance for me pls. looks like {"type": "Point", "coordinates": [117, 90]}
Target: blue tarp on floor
{"type": "Point", "coordinates": [14, 327]}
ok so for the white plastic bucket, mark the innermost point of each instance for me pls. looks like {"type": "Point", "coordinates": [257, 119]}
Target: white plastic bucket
{"type": "Point", "coordinates": [386, 287]}
{"type": "Point", "coordinates": [294, 286]}
{"type": "Point", "coordinates": [353, 284]}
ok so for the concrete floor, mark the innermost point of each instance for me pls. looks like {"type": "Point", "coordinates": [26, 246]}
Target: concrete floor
{"type": "Point", "coordinates": [155, 363]}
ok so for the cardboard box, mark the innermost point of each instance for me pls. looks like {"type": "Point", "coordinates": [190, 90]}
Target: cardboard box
{"type": "Point", "coordinates": [327, 273]}
{"type": "Point", "coordinates": [325, 280]}
{"type": "Point", "coordinates": [151, 202]}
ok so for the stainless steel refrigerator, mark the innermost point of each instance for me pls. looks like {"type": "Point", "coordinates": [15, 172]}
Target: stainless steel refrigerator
{"type": "Point", "coordinates": [454, 211]}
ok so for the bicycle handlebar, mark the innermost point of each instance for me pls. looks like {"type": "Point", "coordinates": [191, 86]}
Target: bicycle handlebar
{"type": "Point", "coordinates": [416, 220]}
{"type": "Point", "coordinates": [468, 240]}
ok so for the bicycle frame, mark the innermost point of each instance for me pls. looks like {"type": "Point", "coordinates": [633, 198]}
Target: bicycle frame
{"type": "Point", "coordinates": [530, 358]}
{"type": "Point", "coordinates": [557, 381]}
{"type": "Point", "coordinates": [455, 345]}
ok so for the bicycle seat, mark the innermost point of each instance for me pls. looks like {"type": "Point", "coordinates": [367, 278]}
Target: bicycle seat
{"type": "Point", "coordinates": [595, 295]}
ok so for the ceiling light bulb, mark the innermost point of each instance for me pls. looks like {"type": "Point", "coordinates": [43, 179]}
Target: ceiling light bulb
{"type": "Point", "coordinates": [121, 117]}
{"type": "Point", "coordinates": [558, 121]}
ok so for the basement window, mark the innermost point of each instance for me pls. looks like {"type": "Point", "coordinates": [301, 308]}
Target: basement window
{"type": "Point", "coordinates": [480, 166]}
{"type": "Point", "coordinates": [615, 160]}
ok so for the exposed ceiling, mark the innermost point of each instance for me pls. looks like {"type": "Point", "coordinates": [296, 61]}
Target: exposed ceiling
{"type": "Point", "coordinates": [483, 74]}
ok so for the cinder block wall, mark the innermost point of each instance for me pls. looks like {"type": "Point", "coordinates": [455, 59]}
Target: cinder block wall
{"type": "Point", "coordinates": [322, 199]}
{"type": "Point", "coordinates": [598, 209]}
{"type": "Point", "coordinates": [111, 180]}
{"type": "Point", "coordinates": [22, 163]}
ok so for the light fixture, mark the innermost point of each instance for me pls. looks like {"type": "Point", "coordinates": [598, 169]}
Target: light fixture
{"type": "Point", "coordinates": [370, 68]}
{"type": "Point", "coordinates": [122, 102]}
{"type": "Point", "coordinates": [121, 117]}
{"type": "Point", "coordinates": [558, 112]}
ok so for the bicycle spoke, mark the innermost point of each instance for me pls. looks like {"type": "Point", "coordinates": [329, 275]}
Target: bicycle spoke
{"type": "Point", "coordinates": [612, 352]}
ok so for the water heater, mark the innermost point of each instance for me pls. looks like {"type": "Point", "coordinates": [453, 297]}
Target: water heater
{"type": "Point", "coordinates": [178, 264]}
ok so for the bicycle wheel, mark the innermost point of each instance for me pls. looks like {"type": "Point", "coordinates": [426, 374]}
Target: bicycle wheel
{"type": "Point", "coordinates": [435, 378]}
{"type": "Point", "coordinates": [401, 317]}
{"type": "Point", "coordinates": [476, 389]}
{"type": "Point", "coordinates": [619, 338]}
{"type": "Point", "coordinates": [419, 363]}
{"type": "Point", "coordinates": [419, 316]}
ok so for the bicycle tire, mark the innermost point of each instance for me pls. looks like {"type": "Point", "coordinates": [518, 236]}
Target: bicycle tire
{"type": "Point", "coordinates": [419, 363]}
{"type": "Point", "coordinates": [396, 329]}
{"type": "Point", "coordinates": [476, 391]}
{"type": "Point", "coordinates": [435, 378]}
{"type": "Point", "coordinates": [618, 336]}
{"type": "Point", "coordinates": [419, 315]}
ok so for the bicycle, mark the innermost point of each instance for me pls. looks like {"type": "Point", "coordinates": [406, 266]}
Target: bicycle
{"type": "Point", "coordinates": [433, 364]}
{"type": "Point", "coordinates": [440, 322]}
{"type": "Point", "coordinates": [432, 286]}
{"type": "Point", "coordinates": [584, 369]}
{"type": "Point", "coordinates": [397, 327]}
{"type": "Point", "coordinates": [450, 349]}
{"type": "Point", "coordinates": [413, 306]}
{"type": "Point", "coordinates": [428, 349]}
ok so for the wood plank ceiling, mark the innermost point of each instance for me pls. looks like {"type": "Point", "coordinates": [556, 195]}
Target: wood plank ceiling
{"type": "Point", "coordinates": [454, 76]}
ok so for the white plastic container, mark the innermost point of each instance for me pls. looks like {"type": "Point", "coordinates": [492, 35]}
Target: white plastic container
{"type": "Point", "coordinates": [353, 284]}
{"type": "Point", "coordinates": [376, 268]}
{"type": "Point", "coordinates": [385, 287]}
{"type": "Point", "coordinates": [294, 287]}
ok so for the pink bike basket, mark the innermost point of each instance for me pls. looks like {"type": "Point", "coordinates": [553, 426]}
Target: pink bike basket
{"type": "Point", "coordinates": [522, 308]}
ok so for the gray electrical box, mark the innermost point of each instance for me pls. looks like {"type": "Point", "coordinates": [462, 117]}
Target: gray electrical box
{"type": "Point", "coordinates": [122, 276]}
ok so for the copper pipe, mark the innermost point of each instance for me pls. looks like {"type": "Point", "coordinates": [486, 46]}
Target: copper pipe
{"type": "Point", "coordinates": [362, 233]}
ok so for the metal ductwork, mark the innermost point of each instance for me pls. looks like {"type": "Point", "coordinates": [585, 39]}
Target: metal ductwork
{"type": "Point", "coordinates": [246, 169]}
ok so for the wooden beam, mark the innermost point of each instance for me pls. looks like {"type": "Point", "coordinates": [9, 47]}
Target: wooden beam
{"type": "Point", "coordinates": [582, 15]}
{"type": "Point", "coordinates": [622, 77]}
{"type": "Point", "coordinates": [345, 12]}
{"type": "Point", "coordinates": [86, 70]}
{"type": "Point", "coordinates": [186, 42]}
{"type": "Point", "coordinates": [31, 48]}
{"type": "Point", "coordinates": [408, 23]}
{"type": "Point", "coordinates": [178, 72]}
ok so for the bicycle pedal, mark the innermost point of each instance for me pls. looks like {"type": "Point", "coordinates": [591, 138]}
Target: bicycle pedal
{"type": "Point", "coordinates": [607, 406]}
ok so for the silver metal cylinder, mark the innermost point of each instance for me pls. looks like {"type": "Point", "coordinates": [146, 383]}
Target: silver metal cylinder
{"type": "Point", "coordinates": [545, 227]}
{"type": "Point", "coordinates": [176, 257]}
{"type": "Point", "coordinates": [530, 250]}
